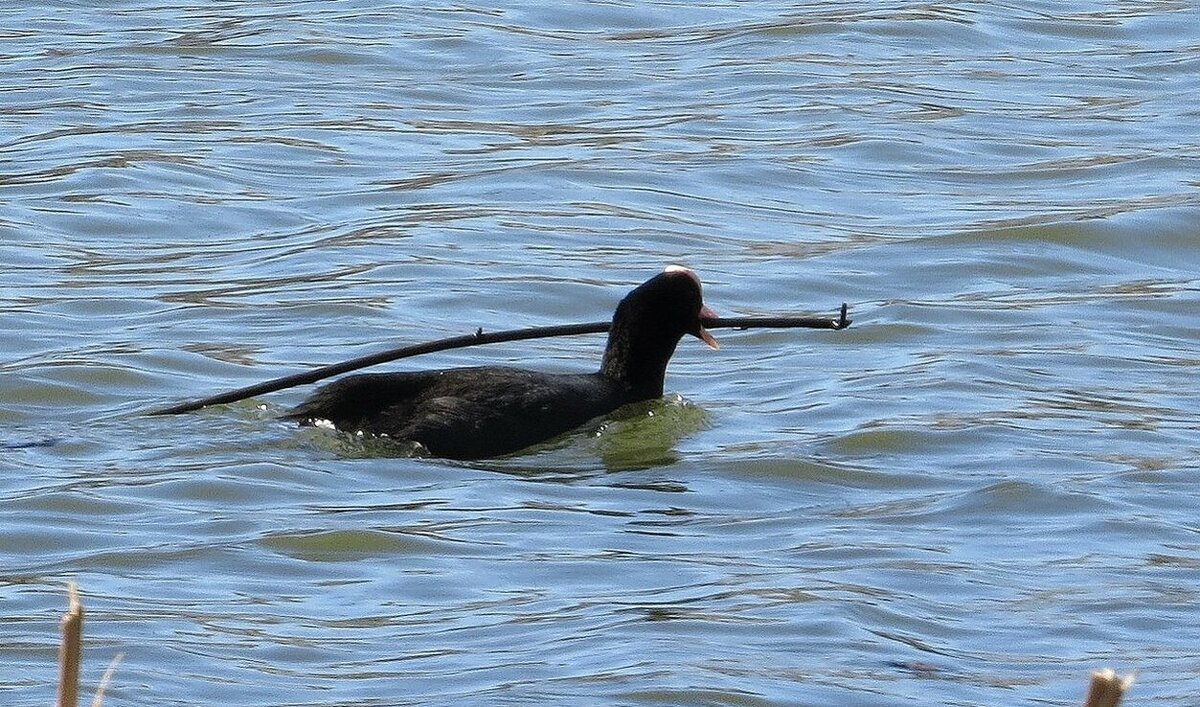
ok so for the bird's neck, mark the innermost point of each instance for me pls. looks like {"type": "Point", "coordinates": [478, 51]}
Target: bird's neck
{"type": "Point", "coordinates": [638, 361]}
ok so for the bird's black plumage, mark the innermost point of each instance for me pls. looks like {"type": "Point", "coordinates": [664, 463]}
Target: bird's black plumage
{"type": "Point", "coordinates": [469, 413]}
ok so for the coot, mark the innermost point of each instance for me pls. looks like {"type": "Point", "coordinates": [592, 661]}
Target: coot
{"type": "Point", "coordinates": [470, 413]}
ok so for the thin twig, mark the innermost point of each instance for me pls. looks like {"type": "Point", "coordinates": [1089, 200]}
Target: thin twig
{"type": "Point", "coordinates": [70, 652]}
{"type": "Point", "coordinates": [477, 339]}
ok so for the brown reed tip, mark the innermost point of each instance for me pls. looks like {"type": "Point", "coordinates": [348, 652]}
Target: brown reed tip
{"type": "Point", "coordinates": [1107, 689]}
{"type": "Point", "coordinates": [70, 652]}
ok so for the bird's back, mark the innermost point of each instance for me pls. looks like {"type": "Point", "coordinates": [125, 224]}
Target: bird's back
{"type": "Point", "coordinates": [464, 413]}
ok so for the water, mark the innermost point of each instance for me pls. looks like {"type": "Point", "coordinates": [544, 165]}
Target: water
{"type": "Point", "coordinates": [977, 494]}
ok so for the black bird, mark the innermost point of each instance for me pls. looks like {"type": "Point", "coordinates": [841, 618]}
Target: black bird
{"type": "Point", "coordinates": [470, 413]}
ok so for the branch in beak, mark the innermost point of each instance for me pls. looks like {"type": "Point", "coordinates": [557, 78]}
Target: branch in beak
{"type": "Point", "coordinates": [701, 333]}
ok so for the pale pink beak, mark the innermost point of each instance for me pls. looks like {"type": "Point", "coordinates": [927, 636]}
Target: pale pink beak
{"type": "Point", "coordinates": [709, 341]}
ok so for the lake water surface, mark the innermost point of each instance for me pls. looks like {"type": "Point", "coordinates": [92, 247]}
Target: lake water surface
{"type": "Point", "coordinates": [981, 491]}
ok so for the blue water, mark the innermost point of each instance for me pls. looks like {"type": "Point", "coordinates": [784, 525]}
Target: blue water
{"type": "Point", "coordinates": [980, 492]}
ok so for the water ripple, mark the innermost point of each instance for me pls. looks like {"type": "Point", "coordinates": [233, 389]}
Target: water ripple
{"type": "Point", "coordinates": [980, 491]}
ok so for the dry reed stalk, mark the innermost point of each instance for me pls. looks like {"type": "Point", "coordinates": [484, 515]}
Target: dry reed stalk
{"type": "Point", "coordinates": [1106, 689]}
{"type": "Point", "coordinates": [70, 651]}
{"type": "Point", "coordinates": [98, 700]}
